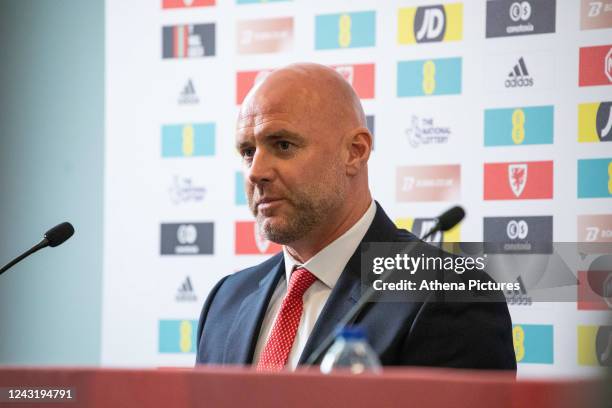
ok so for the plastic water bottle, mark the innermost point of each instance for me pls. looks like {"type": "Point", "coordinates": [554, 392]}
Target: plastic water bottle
{"type": "Point", "coordinates": [351, 352]}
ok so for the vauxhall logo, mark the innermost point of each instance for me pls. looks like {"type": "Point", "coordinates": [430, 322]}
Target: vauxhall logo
{"type": "Point", "coordinates": [519, 76]}
{"type": "Point", "coordinates": [429, 24]}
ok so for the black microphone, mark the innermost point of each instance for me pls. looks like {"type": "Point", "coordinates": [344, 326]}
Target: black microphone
{"type": "Point", "coordinates": [445, 221]}
{"type": "Point", "coordinates": [54, 237]}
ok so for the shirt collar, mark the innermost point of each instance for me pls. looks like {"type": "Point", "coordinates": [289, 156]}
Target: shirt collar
{"type": "Point", "coordinates": [328, 263]}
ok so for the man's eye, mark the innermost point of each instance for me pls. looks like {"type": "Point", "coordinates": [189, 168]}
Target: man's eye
{"type": "Point", "coordinates": [284, 145]}
{"type": "Point", "coordinates": [247, 153]}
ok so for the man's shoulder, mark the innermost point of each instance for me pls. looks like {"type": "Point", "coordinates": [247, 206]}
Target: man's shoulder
{"type": "Point", "coordinates": [402, 235]}
{"type": "Point", "coordinates": [255, 273]}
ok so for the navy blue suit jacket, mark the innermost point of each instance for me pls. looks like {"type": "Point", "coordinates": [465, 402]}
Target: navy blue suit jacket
{"type": "Point", "coordinates": [440, 334]}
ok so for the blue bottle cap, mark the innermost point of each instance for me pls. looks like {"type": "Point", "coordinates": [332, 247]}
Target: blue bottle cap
{"type": "Point", "coordinates": [352, 333]}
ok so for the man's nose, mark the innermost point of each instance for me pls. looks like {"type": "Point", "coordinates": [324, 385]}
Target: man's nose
{"type": "Point", "coordinates": [261, 169]}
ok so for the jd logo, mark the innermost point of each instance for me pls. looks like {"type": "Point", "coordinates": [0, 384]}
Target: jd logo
{"type": "Point", "coordinates": [427, 226]}
{"type": "Point", "coordinates": [429, 24]}
{"type": "Point", "coordinates": [604, 122]}
{"type": "Point", "coordinates": [517, 177]}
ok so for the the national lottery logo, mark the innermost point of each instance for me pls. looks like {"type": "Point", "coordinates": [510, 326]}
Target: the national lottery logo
{"type": "Point", "coordinates": [424, 131]}
{"type": "Point", "coordinates": [345, 30]}
{"type": "Point", "coordinates": [425, 24]}
{"type": "Point", "coordinates": [265, 35]}
{"type": "Point", "coordinates": [518, 181]}
{"type": "Point", "coordinates": [250, 242]}
{"type": "Point", "coordinates": [196, 238]}
{"type": "Point", "coordinates": [519, 126]}
{"type": "Point", "coordinates": [186, 190]}
{"type": "Point", "coordinates": [188, 41]}
{"type": "Point", "coordinates": [595, 178]}
{"type": "Point", "coordinates": [595, 122]}
{"type": "Point", "coordinates": [595, 66]}
{"type": "Point", "coordinates": [429, 77]}
{"type": "Point", "coordinates": [511, 17]}
{"type": "Point", "coordinates": [595, 14]}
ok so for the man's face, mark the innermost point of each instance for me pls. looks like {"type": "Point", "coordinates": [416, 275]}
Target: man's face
{"type": "Point", "coordinates": [294, 178]}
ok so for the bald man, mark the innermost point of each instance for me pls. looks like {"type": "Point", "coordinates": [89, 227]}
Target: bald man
{"type": "Point", "coordinates": [305, 146]}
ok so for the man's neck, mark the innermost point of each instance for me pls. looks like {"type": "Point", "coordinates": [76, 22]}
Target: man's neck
{"type": "Point", "coordinates": [320, 237]}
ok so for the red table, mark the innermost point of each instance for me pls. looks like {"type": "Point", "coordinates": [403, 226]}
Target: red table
{"type": "Point", "coordinates": [243, 387]}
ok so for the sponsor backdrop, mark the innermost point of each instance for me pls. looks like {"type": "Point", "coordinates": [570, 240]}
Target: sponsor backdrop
{"type": "Point", "coordinates": [502, 106]}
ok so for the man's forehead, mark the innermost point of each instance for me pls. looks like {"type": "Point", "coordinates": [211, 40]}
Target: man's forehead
{"type": "Point", "coordinates": [251, 117]}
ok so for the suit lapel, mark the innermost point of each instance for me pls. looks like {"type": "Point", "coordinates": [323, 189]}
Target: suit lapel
{"type": "Point", "coordinates": [347, 290]}
{"type": "Point", "coordinates": [243, 335]}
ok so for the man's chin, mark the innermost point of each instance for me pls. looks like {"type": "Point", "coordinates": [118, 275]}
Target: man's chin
{"type": "Point", "coordinates": [274, 229]}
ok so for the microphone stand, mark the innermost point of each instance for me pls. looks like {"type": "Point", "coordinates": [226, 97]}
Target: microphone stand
{"type": "Point", "coordinates": [42, 244]}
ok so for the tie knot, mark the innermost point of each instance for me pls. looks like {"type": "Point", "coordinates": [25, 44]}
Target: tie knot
{"type": "Point", "coordinates": [301, 279]}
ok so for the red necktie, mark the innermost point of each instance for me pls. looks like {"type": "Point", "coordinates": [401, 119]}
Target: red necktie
{"type": "Point", "coordinates": [275, 354]}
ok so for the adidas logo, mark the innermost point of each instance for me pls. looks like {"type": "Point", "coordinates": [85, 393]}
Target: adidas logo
{"type": "Point", "coordinates": [519, 76]}
{"type": "Point", "coordinates": [518, 297]}
{"type": "Point", "coordinates": [185, 292]}
{"type": "Point", "coordinates": [188, 94]}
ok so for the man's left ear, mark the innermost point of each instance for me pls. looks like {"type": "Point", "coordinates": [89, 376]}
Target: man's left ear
{"type": "Point", "coordinates": [359, 145]}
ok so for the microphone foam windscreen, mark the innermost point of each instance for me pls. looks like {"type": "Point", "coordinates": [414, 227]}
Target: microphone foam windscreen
{"type": "Point", "coordinates": [451, 218]}
{"type": "Point", "coordinates": [60, 233]}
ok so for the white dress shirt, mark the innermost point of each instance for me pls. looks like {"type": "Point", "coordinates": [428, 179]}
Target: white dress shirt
{"type": "Point", "coordinates": [326, 265]}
